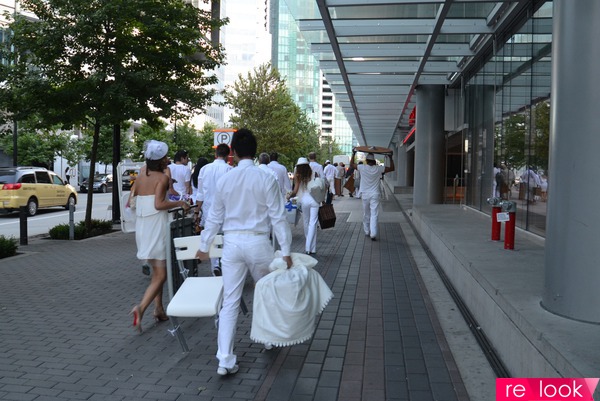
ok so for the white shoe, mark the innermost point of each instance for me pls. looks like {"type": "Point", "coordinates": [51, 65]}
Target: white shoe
{"type": "Point", "coordinates": [224, 371]}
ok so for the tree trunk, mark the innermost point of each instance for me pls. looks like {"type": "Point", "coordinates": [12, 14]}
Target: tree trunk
{"type": "Point", "coordinates": [90, 195]}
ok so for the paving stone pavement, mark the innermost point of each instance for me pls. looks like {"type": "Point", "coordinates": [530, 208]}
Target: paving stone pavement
{"type": "Point", "coordinates": [65, 333]}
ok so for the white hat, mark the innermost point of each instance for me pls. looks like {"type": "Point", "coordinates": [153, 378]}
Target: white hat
{"type": "Point", "coordinates": [327, 161]}
{"type": "Point", "coordinates": [155, 150]}
{"type": "Point", "coordinates": [302, 160]}
{"type": "Point", "coordinates": [370, 156]}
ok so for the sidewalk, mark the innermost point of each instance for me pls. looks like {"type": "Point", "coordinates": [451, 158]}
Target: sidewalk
{"type": "Point", "coordinates": [65, 333]}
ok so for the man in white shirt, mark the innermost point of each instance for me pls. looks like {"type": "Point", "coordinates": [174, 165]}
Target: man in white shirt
{"type": "Point", "coordinates": [370, 175]}
{"type": "Point", "coordinates": [329, 171]}
{"type": "Point", "coordinates": [247, 201]}
{"type": "Point", "coordinates": [263, 163]}
{"type": "Point", "coordinates": [181, 177]}
{"type": "Point", "coordinates": [209, 175]}
{"type": "Point", "coordinates": [281, 173]}
{"type": "Point", "coordinates": [314, 165]}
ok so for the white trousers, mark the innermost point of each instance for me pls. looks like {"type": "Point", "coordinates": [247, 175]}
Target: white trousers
{"type": "Point", "coordinates": [241, 253]}
{"type": "Point", "coordinates": [370, 203]}
{"type": "Point", "coordinates": [310, 218]}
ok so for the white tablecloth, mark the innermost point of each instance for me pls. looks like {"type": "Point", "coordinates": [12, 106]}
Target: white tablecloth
{"type": "Point", "coordinates": [288, 301]}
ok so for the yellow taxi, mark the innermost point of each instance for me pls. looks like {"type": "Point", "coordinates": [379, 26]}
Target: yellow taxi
{"type": "Point", "coordinates": [33, 187]}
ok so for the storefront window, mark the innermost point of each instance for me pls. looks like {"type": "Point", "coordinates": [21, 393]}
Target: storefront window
{"type": "Point", "coordinates": [513, 87]}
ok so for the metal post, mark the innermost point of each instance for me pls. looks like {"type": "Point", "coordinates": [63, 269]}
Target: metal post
{"type": "Point", "coordinates": [72, 221]}
{"type": "Point", "coordinates": [23, 224]}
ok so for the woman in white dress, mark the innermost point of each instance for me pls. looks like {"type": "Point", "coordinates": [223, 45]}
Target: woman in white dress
{"type": "Point", "coordinates": [310, 208]}
{"type": "Point", "coordinates": [151, 234]}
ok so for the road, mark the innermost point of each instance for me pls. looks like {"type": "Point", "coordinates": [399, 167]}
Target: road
{"type": "Point", "coordinates": [45, 219]}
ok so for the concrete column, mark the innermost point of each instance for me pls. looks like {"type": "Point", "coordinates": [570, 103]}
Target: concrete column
{"type": "Point", "coordinates": [401, 166]}
{"type": "Point", "coordinates": [429, 146]}
{"type": "Point", "coordinates": [572, 252]}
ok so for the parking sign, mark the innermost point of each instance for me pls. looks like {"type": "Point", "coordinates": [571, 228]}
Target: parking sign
{"type": "Point", "coordinates": [223, 136]}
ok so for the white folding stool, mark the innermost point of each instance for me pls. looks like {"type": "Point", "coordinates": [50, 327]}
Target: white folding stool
{"type": "Point", "coordinates": [197, 296]}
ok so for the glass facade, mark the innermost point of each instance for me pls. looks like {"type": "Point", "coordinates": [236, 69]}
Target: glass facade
{"type": "Point", "coordinates": [507, 111]}
{"type": "Point", "coordinates": [293, 58]}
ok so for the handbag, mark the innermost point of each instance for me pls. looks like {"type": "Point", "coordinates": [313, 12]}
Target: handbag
{"type": "Point", "coordinates": [317, 189]}
{"type": "Point", "coordinates": [132, 201]}
{"type": "Point", "coordinates": [326, 216]}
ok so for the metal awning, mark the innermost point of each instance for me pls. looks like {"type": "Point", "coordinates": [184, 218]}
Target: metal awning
{"type": "Point", "coordinates": [375, 53]}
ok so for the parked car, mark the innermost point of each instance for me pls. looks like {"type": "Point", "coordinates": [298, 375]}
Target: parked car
{"type": "Point", "coordinates": [128, 178]}
{"type": "Point", "coordinates": [33, 187]}
{"type": "Point", "coordinates": [102, 183]}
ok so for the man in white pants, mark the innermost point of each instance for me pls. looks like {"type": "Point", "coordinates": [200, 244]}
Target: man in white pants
{"type": "Point", "coordinates": [246, 202]}
{"type": "Point", "coordinates": [370, 175]}
{"type": "Point", "coordinates": [207, 179]}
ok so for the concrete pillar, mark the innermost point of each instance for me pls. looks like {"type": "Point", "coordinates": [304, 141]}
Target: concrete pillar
{"type": "Point", "coordinates": [429, 146]}
{"type": "Point", "coordinates": [572, 254]}
{"type": "Point", "coordinates": [410, 168]}
{"type": "Point", "coordinates": [401, 166]}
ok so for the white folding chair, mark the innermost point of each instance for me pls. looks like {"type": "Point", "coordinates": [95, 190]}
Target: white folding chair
{"type": "Point", "coordinates": [197, 296]}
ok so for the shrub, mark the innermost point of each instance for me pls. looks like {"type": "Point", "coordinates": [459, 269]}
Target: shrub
{"type": "Point", "coordinates": [8, 246]}
{"type": "Point", "coordinates": [99, 227]}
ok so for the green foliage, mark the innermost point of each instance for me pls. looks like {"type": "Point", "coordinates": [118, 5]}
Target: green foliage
{"type": "Point", "coordinates": [105, 144]}
{"type": "Point", "coordinates": [513, 143]}
{"type": "Point", "coordinates": [40, 146]}
{"type": "Point", "coordinates": [147, 132]}
{"type": "Point", "coordinates": [188, 138]}
{"type": "Point", "coordinates": [328, 149]}
{"type": "Point", "coordinates": [207, 140]}
{"type": "Point", "coordinates": [8, 246]}
{"type": "Point", "coordinates": [262, 103]}
{"type": "Point", "coordinates": [99, 63]}
{"type": "Point", "coordinates": [98, 227]}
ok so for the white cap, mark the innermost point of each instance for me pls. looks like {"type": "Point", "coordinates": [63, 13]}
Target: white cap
{"type": "Point", "coordinates": [327, 161]}
{"type": "Point", "coordinates": [302, 160]}
{"type": "Point", "coordinates": [370, 156]}
{"type": "Point", "coordinates": [155, 150]}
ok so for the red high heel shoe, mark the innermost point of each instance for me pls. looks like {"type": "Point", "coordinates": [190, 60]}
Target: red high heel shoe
{"type": "Point", "coordinates": [137, 318]}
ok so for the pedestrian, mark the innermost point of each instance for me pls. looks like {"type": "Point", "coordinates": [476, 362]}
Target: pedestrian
{"type": "Point", "coordinates": [349, 185]}
{"type": "Point", "coordinates": [339, 173]}
{"type": "Point", "coordinates": [151, 234]}
{"type": "Point", "coordinates": [370, 174]}
{"type": "Point", "coordinates": [314, 165]}
{"type": "Point", "coordinates": [246, 201]}
{"type": "Point", "coordinates": [209, 175]}
{"type": "Point", "coordinates": [532, 182]}
{"type": "Point", "coordinates": [357, 181]}
{"type": "Point", "coordinates": [198, 222]}
{"type": "Point", "coordinates": [281, 173]}
{"type": "Point", "coordinates": [181, 176]}
{"type": "Point", "coordinates": [329, 171]}
{"type": "Point", "coordinates": [308, 204]}
{"type": "Point", "coordinates": [263, 163]}
{"type": "Point", "coordinates": [68, 175]}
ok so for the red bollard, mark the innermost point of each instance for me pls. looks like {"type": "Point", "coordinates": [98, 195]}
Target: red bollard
{"type": "Point", "coordinates": [496, 225]}
{"type": "Point", "coordinates": [496, 204]}
{"type": "Point", "coordinates": [509, 230]}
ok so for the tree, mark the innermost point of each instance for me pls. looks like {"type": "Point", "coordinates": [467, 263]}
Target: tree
{"type": "Point", "coordinates": [207, 140]}
{"type": "Point", "coordinates": [262, 103]}
{"type": "Point", "coordinates": [102, 62]}
{"type": "Point", "coordinates": [39, 147]}
{"type": "Point", "coordinates": [105, 144]}
{"type": "Point", "coordinates": [187, 138]}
